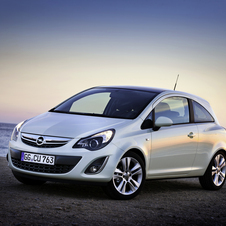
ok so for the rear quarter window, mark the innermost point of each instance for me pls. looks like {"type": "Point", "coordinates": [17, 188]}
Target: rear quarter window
{"type": "Point", "coordinates": [201, 114]}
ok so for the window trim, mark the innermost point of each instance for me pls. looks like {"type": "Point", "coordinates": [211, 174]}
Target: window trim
{"type": "Point", "coordinates": [191, 111]}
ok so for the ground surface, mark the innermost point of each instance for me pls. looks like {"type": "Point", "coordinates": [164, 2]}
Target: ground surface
{"type": "Point", "coordinates": [163, 202]}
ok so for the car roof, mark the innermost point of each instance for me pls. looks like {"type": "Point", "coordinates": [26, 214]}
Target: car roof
{"type": "Point", "coordinates": [140, 88]}
{"type": "Point", "coordinates": [158, 91]}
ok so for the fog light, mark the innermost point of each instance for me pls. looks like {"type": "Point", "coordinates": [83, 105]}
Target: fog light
{"type": "Point", "coordinates": [93, 169]}
{"type": "Point", "coordinates": [97, 166]}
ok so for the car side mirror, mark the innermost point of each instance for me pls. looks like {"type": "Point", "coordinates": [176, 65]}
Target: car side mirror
{"type": "Point", "coordinates": [163, 122]}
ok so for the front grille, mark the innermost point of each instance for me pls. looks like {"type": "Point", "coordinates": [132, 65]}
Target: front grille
{"type": "Point", "coordinates": [41, 168]}
{"type": "Point", "coordinates": [43, 141]}
{"type": "Point", "coordinates": [41, 146]}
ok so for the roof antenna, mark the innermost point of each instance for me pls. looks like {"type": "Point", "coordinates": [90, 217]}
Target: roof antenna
{"type": "Point", "coordinates": [176, 83]}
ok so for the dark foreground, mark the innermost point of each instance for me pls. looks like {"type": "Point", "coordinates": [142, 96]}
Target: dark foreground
{"type": "Point", "coordinates": [163, 202]}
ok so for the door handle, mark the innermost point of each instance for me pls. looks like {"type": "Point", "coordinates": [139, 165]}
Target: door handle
{"type": "Point", "coordinates": [191, 135]}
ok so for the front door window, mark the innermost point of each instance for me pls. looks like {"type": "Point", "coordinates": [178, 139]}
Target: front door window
{"type": "Point", "coordinates": [175, 108]}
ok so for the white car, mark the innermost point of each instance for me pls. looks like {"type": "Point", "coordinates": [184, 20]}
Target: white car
{"type": "Point", "coordinates": [120, 136]}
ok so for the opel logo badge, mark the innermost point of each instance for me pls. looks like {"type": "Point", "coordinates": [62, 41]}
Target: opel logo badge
{"type": "Point", "coordinates": [40, 141]}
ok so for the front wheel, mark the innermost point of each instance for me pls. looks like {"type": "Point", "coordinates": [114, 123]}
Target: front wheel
{"type": "Point", "coordinates": [128, 178]}
{"type": "Point", "coordinates": [214, 177]}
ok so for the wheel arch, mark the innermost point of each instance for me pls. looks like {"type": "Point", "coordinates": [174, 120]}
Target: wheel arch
{"type": "Point", "coordinates": [213, 154]}
{"type": "Point", "coordinates": [138, 152]}
{"type": "Point", "coordinates": [220, 149]}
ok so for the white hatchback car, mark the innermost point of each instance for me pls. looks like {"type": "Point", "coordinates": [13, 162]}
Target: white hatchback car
{"type": "Point", "coordinates": [120, 136]}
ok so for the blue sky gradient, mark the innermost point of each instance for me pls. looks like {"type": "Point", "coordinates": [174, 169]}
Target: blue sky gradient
{"type": "Point", "coordinates": [52, 49]}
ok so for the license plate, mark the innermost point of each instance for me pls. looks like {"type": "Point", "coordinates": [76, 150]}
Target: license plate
{"type": "Point", "coordinates": [36, 158]}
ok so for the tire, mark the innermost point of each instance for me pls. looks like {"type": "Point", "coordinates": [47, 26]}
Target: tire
{"type": "Point", "coordinates": [28, 181]}
{"type": "Point", "coordinates": [214, 177]}
{"type": "Point", "coordinates": [128, 179]}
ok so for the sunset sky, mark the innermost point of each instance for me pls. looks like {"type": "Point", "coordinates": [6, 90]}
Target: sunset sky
{"type": "Point", "coordinates": [52, 49]}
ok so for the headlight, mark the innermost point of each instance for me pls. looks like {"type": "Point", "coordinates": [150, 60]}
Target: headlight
{"type": "Point", "coordinates": [96, 141]}
{"type": "Point", "coordinates": [16, 131]}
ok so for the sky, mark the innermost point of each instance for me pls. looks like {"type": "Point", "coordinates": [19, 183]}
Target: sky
{"type": "Point", "coordinates": [53, 49]}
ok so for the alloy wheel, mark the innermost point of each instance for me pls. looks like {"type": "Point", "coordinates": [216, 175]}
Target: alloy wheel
{"type": "Point", "coordinates": [128, 176]}
{"type": "Point", "coordinates": [218, 170]}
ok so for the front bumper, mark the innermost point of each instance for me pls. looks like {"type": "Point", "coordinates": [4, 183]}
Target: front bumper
{"type": "Point", "coordinates": [70, 165]}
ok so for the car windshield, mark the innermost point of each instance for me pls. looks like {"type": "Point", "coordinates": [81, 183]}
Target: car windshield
{"type": "Point", "coordinates": [107, 102]}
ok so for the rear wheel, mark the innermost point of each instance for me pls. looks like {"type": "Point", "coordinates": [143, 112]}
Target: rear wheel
{"type": "Point", "coordinates": [214, 177]}
{"type": "Point", "coordinates": [28, 181]}
{"type": "Point", "coordinates": [128, 177]}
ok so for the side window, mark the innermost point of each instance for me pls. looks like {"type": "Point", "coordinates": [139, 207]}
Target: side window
{"type": "Point", "coordinates": [175, 108]}
{"type": "Point", "coordinates": [201, 114]}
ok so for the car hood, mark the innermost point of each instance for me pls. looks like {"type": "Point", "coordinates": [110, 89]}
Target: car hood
{"type": "Point", "coordinates": [72, 126]}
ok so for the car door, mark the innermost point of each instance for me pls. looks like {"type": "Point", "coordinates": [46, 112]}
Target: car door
{"type": "Point", "coordinates": [173, 148]}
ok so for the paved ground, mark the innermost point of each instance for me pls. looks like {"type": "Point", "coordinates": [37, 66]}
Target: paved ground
{"type": "Point", "coordinates": [163, 202]}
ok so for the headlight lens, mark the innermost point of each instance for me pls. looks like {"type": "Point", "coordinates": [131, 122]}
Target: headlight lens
{"type": "Point", "coordinates": [96, 141]}
{"type": "Point", "coordinates": [16, 131]}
